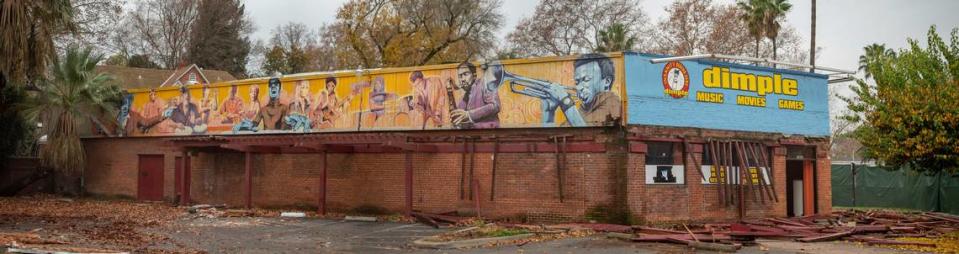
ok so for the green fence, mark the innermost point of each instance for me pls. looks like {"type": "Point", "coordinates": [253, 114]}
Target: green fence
{"type": "Point", "coordinates": [878, 187]}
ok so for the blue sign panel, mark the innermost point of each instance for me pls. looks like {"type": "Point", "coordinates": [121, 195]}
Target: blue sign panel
{"type": "Point", "coordinates": [726, 96]}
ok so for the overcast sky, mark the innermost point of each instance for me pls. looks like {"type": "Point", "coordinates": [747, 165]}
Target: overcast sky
{"type": "Point", "coordinates": [844, 26]}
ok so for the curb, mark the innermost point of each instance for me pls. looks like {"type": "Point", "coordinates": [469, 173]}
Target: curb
{"type": "Point", "coordinates": [426, 242]}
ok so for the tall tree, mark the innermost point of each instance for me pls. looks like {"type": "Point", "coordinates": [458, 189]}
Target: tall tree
{"type": "Point", "coordinates": [219, 38]}
{"type": "Point", "coordinates": [27, 31]}
{"type": "Point", "coordinates": [75, 93]}
{"type": "Point", "coordinates": [909, 116]}
{"type": "Point", "coordinates": [616, 37]}
{"type": "Point", "coordinates": [164, 26]}
{"type": "Point", "coordinates": [385, 33]}
{"type": "Point", "coordinates": [752, 14]}
{"type": "Point", "coordinates": [564, 27]}
{"type": "Point", "coordinates": [774, 12]}
{"type": "Point", "coordinates": [288, 49]}
{"type": "Point", "coordinates": [874, 58]}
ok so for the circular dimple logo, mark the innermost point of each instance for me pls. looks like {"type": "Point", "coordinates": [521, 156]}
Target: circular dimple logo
{"type": "Point", "coordinates": [675, 80]}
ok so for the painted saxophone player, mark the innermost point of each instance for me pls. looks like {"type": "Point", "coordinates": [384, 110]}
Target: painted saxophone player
{"type": "Point", "coordinates": [479, 107]}
{"type": "Point", "coordinates": [593, 75]}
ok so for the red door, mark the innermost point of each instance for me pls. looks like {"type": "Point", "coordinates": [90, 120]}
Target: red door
{"type": "Point", "coordinates": [150, 178]}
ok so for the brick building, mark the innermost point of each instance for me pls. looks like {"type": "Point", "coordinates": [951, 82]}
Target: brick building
{"type": "Point", "coordinates": [637, 137]}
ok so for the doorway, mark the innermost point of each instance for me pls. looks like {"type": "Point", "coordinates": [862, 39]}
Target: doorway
{"type": "Point", "coordinates": [800, 188]}
{"type": "Point", "coordinates": [150, 177]}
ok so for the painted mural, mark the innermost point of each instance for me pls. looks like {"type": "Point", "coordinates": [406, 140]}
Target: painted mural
{"type": "Point", "coordinates": [578, 91]}
{"type": "Point", "coordinates": [720, 95]}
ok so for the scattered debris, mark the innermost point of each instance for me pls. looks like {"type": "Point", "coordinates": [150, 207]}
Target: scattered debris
{"type": "Point", "coordinates": [438, 220]}
{"type": "Point", "coordinates": [360, 218]}
{"type": "Point", "coordinates": [293, 214]}
{"type": "Point", "coordinates": [869, 227]}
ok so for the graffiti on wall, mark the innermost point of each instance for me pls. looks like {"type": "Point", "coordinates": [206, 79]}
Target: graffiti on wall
{"type": "Point", "coordinates": [574, 92]}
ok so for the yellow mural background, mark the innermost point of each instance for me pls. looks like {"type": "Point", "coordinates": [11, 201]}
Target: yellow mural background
{"type": "Point", "coordinates": [516, 110]}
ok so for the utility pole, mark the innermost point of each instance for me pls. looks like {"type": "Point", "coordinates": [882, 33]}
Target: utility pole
{"type": "Point", "coordinates": [812, 40]}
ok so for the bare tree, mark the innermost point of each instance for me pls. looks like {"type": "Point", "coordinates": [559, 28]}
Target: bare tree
{"type": "Point", "coordinates": [95, 21]}
{"type": "Point", "coordinates": [564, 27]}
{"type": "Point", "coordinates": [696, 27]}
{"type": "Point", "coordinates": [700, 26]}
{"type": "Point", "coordinates": [164, 26]}
{"type": "Point", "coordinates": [384, 33]}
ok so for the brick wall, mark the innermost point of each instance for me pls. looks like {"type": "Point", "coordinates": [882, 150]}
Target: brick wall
{"type": "Point", "coordinates": [596, 185]}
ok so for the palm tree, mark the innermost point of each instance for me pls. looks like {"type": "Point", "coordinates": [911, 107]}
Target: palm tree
{"type": "Point", "coordinates": [875, 53]}
{"type": "Point", "coordinates": [752, 14]}
{"type": "Point", "coordinates": [616, 37]}
{"type": "Point", "coordinates": [74, 93]}
{"type": "Point", "coordinates": [774, 11]}
{"type": "Point", "coordinates": [27, 28]}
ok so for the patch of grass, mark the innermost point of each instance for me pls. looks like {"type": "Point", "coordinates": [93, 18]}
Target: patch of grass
{"type": "Point", "coordinates": [506, 232]}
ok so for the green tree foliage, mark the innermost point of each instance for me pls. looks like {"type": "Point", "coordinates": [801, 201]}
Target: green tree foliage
{"type": "Point", "coordinates": [752, 14]}
{"type": "Point", "coordinates": [219, 37]}
{"type": "Point", "coordinates": [27, 30]}
{"type": "Point", "coordinates": [774, 12]}
{"type": "Point", "coordinates": [290, 49]}
{"type": "Point", "coordinates": [275, 61]}
{"type": "Point", "coordinates": [616, 37]}
{"type": "Point", "coordinates": [13, 127]}
{"type": "Point", "coordinates": [875, 54]}
{"type": "Point", "coordinates": [910, 115]}
{"type": "Point", "coordinates": [142, 61]}
{"type": "Point", "coordinates": [75, 93]}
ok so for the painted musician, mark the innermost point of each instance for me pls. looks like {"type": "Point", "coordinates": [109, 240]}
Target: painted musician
{"type": "Point", "coordinates": [272, 114]}
{"type": "Point", "coordinates": [232, 110]}
{"type": "Point", "coordinates": [428, 100]}
{"type": "Point", "coordinates": [154, 107]}
{"type": "Point", "coordinates": [328, 106]}
{"type": "Point", "coordinates": [594, 75]}
{"type": "Point", "coordinates": [296, 117]}
{"type": "Point", "coordinates": [480, 105]}
{"type": "Point", "coordinates": [131, 123]}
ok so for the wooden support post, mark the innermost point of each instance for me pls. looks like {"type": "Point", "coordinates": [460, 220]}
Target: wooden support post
{"type": "Point", "coordinates": [462, 170]}
{"type": "Point", "coordinates": [249, 180]}
{"type": "Point", "coordinates": [409, 183]}
{"type": "Point", "coordinates": [321, 203]}
{"type": "Point", "coordinates": [492, 184]}
{"type": "Point", "coordinates": [185, 177]}
{"type": "Point", "coordinates": [717, 169]}
{"type": "Point", "coordinates": [472, 167]}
